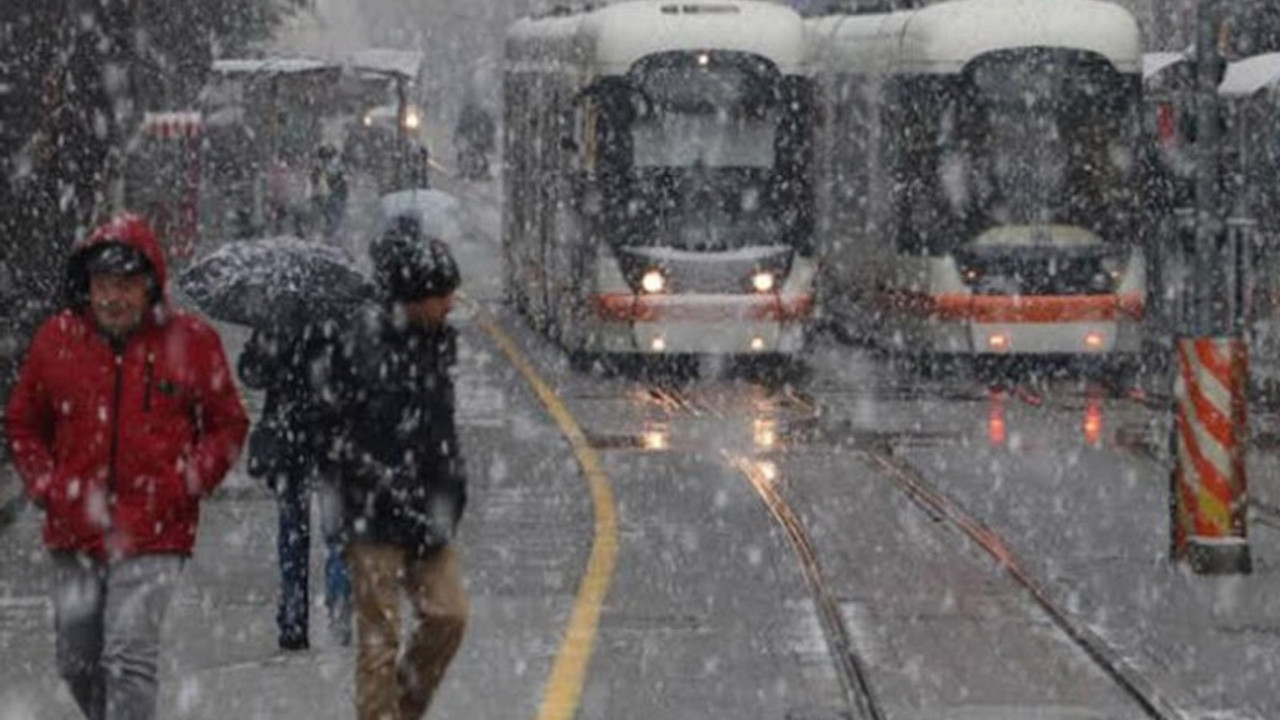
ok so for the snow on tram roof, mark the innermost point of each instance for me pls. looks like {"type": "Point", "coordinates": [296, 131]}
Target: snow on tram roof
{"type": "Point", "coordinates": [1155, 63]}
{"type": "Point", "coordinates": [1248, 76]}
{"type": "Point", "coordinates": [612, 38]}
{"type": "Point", "coordinates": [943, 38]}
{"type": "Point", "coordinates": [270, 65]}
{"type": "Point", "coordinates": [406, 63]}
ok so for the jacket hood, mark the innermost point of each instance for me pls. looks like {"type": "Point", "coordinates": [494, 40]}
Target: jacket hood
{"type": "Point", "coordinates": [126, 229]}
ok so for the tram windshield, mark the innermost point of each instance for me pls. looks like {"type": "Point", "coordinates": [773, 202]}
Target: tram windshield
{"type": "Point", "coordinates": [713, 116]}
{"type": "Point", "coordinates": [708, 156]}
{"type": "Point", "coordinates": [1024, 138]}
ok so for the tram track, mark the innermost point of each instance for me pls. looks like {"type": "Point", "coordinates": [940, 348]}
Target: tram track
{"type": "Point", "coordinates": [851, 669]}
{"type": "Point", "coordinates": [850, 662]}
{"type": "Point", "coordinates": [1154, 703]}
{"type": "Point", "coordinates": [851, 665]}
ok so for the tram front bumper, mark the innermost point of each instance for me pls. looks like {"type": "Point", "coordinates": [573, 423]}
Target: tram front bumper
{"type": "Point", "coordinates": [1036, 325]}
{"type": "Point", "coordinates": [1061, 338]}
{"type": "Point", "coordinates": [702, 324]}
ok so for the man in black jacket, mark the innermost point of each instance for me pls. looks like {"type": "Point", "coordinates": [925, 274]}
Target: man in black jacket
{"type": "Point", "coordinates": [404, 485]}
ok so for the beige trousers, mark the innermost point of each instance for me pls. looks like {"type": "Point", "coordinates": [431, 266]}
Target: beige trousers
{"type": "Point", "coordinates": [391, 685]}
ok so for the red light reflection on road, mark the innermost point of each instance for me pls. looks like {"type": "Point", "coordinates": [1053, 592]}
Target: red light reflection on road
{"type": "Point", "coordinates": [1093, 425]}
{"type": "Point", "coordinates": [997, 429]}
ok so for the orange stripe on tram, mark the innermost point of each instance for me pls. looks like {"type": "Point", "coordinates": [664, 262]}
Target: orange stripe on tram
{"type": "Point", "coordinates": [627, 307]}
{"type": "Point", "coordinates": [1020, 308]}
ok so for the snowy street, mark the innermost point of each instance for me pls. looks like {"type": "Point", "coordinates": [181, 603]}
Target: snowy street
{"type": "Point", "coordinates": [744, 513]}
{"type": "Point", "coordinates": [815, 359]}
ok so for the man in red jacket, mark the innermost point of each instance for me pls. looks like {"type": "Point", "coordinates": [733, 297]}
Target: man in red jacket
{"type": "Point", "coordinates": [125, 414]}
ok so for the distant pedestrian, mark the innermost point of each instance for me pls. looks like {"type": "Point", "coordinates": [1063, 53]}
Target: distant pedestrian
{"type": "Point", "coordinates": [404, 485]}
{"type": "Point", "coordinates": [419, 175]}
{"type": "Point", "coordinates": [286, 201]}
{"type": "Point", "coordinates": [473, 140]}
{"type": "Point", "coordinates": [124, 416]}
{"type": "Point", "coordinates": [328, 189]}
{"type": "Point", "coordinates": [291, 363]}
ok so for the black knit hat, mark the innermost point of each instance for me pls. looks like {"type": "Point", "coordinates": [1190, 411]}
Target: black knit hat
{"type": "Point", "coordinates": [409, 266]}
{"type": "Point", "coordinates": [115, 258]}
{"type": "Point", "coordinates": [110, 257]}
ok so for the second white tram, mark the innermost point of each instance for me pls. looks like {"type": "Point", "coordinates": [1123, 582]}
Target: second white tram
{"type": "Point", "coordinates": [981, 183]}
{"type": "Point", "coordinates": [658, 178]}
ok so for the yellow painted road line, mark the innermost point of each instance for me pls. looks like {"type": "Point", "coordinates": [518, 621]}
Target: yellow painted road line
{"type": "Point", "coordinates": [563, 691]}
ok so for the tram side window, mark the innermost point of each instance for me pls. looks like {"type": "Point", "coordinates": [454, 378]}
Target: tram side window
{"type": "Point", "coordinates": [1269, 206]}
{"type": "Point", "coordinates": [512, 153]}
{"type": "Point", "coordinates": [537, 179]}
{"type": "Point", "coordinates": [544, 157]}
{"type": "Point", "coordinates": [913, 125]}
{"type": "Point", "coordinates": [515, 152]}
{"type": "Point", "coordinates": [523, 148]}
{"type": "Point", "coordinates": [1249, 154]}
{"type": "Point", "coordinates": [563, 158]}
{"type": "Point", "coordinates": [564, 125]}
{"type": "Point", "coordinates": [614, 149]}
{"type": "Point", "coordinates": [793, 147]}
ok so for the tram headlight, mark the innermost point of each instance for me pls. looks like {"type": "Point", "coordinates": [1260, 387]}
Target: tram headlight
{"type": "Point", "coordinates": [763, 282]}
{"type": "Point", "coordinates": [653, 281]}
{"type": "Point", "coordinates": [368, 120]}
{"type": "Point", "coordinates": [1114, 268]}
{"type": "Point", "coordinates": [412, 120]}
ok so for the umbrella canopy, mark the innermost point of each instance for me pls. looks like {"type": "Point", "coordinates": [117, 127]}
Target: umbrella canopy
{"type": "Point", "coordinates": [275, 280]}
{"type": "Point", "coordinates": [438, 213]}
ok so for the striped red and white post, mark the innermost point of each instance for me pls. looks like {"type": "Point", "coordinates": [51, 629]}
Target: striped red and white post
{"type": "Point", "coordinates": [1211, 493]}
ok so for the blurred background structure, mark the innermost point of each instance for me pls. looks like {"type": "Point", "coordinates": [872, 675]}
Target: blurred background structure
{"type": "Point", "coordinates": [77, 77]}
{"type": "Point", "coordinates": [1170, 24]}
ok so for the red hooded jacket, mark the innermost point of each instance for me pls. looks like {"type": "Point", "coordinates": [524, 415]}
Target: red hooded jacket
{"type": "Point", "coordinates": [119, 446]}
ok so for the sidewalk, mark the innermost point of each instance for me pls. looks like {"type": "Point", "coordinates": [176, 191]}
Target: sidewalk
{"type": "Point", "coordinates": [523, 542]}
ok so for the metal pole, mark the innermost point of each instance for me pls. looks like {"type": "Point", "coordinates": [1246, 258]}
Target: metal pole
{"type": "Point", "coordinates": [1210, 427]}
{"type": "Point", "coordinates": [1209, 223]}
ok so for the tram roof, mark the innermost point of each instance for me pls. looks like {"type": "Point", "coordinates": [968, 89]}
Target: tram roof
{"type": "Point", "coordinates": [943, 38]}
{"type": "Point", "coordinates": [1157, 62]}
{"type": "Point", "coordinates": [1246, 77]}
{"type": "Point", "coordinates": [386, 61]}
{"type": "Point", "coordinates": [271, 66]}
{"type": "Point", "coordinates": [609, 40]}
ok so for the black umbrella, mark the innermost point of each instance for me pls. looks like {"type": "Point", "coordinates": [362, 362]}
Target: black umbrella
{"type": "Point", "coordinates": [275, 280]}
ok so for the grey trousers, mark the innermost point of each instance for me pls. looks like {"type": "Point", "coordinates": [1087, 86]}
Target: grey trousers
{"type": "Point", "coordinates": [107, 619]}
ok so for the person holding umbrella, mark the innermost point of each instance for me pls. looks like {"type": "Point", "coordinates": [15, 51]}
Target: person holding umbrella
{"type": "Point", "coordinates": [289, 360]}
{"type": "Point", "coordinates": [291, 291]}
{"type": "Point", "coordinates": [125, 415]}
{"type": "Point", "coordinates": [403, 480]}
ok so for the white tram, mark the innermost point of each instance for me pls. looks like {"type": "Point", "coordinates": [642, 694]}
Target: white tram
{"type": "Point", "coordinates": [658, 189]}
{"type": "Point", "coordinates": [980, 177]}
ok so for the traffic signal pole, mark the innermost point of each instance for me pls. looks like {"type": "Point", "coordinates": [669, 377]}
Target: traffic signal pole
{"type": "Point", "coordinates": [1210, 429]}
